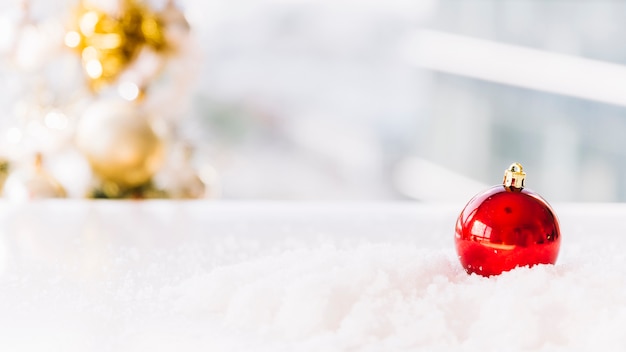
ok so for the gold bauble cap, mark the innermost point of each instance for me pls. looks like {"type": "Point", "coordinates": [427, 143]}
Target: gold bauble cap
{"type": "Point", "coordinates": [514, 176]}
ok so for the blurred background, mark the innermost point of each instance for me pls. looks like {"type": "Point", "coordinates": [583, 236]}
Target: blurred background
{"type": "Point", "coordinates": [382, 100]}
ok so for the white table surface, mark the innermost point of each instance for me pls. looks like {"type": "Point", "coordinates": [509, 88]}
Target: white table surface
{"type": "Point", "coordinates": [281, 276]}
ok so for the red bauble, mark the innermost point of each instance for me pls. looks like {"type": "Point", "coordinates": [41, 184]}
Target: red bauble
{"type": "Point", "coordinates": [505, 227]}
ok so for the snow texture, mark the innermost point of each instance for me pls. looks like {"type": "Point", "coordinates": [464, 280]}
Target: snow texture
{"type": "Point", "coordinates": [202, 276]}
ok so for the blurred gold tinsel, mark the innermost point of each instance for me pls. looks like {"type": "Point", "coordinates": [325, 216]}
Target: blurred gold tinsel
{"type": "Point", "coordinates": [109, 42]}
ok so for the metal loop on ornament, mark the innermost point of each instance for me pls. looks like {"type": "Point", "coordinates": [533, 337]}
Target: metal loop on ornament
{"type": "Point", "coordinates": [514, 176]}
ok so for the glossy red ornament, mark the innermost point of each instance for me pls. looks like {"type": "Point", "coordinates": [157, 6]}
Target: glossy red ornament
{"type": "Point", "coordinates": [505, 227]}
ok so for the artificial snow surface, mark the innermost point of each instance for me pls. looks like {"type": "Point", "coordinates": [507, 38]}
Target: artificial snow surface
{"type": "Point", "coordinates": [201, 276]}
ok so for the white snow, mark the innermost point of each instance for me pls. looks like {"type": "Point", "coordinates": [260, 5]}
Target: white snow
{"type": "Point", "coordinates": [230, 276]}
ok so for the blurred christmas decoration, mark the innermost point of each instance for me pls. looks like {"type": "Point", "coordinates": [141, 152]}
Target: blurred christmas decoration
{"type": "Point", "coordinates": [109, 42]}
{"type": "Point", "coordinates": [119, 143]}
{"type": "Point", "coordinates": [27, 43]}
{"type": "Point", "coordinates": [95, 98]}
{"type": "Point", "coordinates": [32, 182]}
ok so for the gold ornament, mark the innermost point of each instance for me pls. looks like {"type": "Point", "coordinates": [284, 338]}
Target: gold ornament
{"type": "Point", "coordinates": [108, 43]}
{"type": "Point", "coordinates": [32, 182]}
{"type": "Point", "coordinates": [120, 144]}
